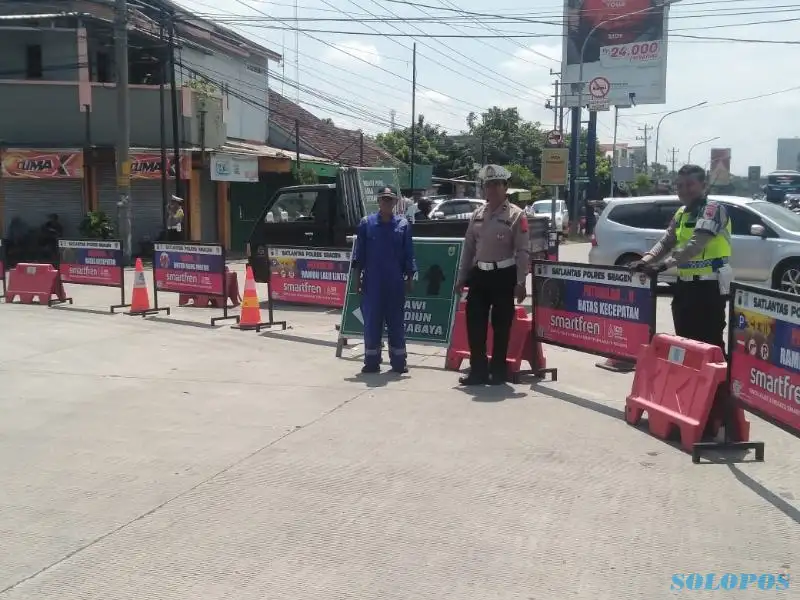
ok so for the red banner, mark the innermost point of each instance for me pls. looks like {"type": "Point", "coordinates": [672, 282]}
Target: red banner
{"type": "Point", "coordinates": [147, 165]}
{"type": "Point", "coordinates": [42, 164]}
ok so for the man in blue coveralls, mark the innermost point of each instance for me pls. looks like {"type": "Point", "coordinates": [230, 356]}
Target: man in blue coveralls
{"type": "Point", "coordinates": [384, 268]}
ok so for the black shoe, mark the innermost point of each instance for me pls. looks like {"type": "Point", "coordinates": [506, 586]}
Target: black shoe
{"type": "Point", "coordinates": [498, 378]}
{"type": "Point", "coordinates": [371, 369]}
{"type": "Point", "coordinates": [473, 379]}
{"type": "Point", "coordinates": [400, 370]}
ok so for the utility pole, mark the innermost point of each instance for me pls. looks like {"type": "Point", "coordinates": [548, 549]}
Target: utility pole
{"type": "Point", "coordinates": [176, 140]}
{"type": "Point", "coordinates": [124, 217]}
{"type": "Point", "coordinates": [413, 117]}
{"type": "Point", "coordinates": [392, 117]}
{"type": "Point", "coordinates": [645, 137]}
{"type": "Point", "coordinates": [673, 159]}
{"type": "Point", "coordinates": [162, 121]}
{"type": "Point", "coordinates": [614, 162]}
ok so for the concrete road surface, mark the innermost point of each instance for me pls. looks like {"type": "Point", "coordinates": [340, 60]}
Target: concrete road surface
{"type": "Point", "coordinates": [161, 459]}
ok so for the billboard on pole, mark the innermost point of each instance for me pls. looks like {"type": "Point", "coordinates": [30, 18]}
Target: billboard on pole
{"type": "Point", "coordinates": [720, 166]}
{"type": "Point", "coordinates": [623, 41]}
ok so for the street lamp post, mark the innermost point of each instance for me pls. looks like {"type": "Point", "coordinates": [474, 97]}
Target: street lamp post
{"type": "Point", "coordinates": [674, 112]}
{"type": "Point", "coordinates": [695, 145]}
{"type": "Point", "coordinates": [576, 158]}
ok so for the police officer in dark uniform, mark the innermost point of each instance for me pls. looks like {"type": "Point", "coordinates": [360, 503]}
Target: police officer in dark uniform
{"type": "Point", "coordinates": [494, 266]}
{"type": "Point", "coordinates": [698, 243]}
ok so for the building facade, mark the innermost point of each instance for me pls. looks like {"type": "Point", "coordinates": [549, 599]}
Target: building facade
{"type": "Point", "coordinates": [788, 154]}
{"type": "Point", "coordinates": [59, 121]}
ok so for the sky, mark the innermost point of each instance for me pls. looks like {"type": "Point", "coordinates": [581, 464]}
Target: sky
{"type": "Point", "coordinates": [358, 80]}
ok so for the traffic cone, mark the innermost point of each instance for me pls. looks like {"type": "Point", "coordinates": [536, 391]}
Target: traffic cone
{"type": "Point", "coordinates": [140, 299]}
{"type": "Point", "coordinates": [250, 316]}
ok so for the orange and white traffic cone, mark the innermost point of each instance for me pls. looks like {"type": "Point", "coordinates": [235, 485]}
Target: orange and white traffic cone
{"type": "Point", "coordinates": [250, 316]}
{"type": "Point", "coordinates": [140, 299]}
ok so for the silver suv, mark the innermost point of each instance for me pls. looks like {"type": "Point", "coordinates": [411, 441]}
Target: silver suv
{"type": "Point", "coordinates": [766, 237]}
{"type": "Point", "coordinates": [461, 208]}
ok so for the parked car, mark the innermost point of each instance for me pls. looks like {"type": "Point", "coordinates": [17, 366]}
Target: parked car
{"type": "Point", "coordinates": [766, 237]}
{"type": "Point", "coordinates": [545, 207]}
{"type": "Point", "coordinates": [461, 208]}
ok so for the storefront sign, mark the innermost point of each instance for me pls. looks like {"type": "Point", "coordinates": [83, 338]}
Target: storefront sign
{"type": "Point", "coordinates": [42, 164]}
{"type": "Point", "coordinates": [91, 262]}
{"type": "Point", "coordinates": [227, 167]}
{"type": "Point", "coordinates": [308, 275]}
{"type": "Point", "coordinates": [147, 165]}
{"type": "Point", "coordinates": [765, 353]}
{"type": "Point", "coordinates": [431, 304]}
{"type": "Point", "coordinates": [597, 310]}
{"type": "Point", "coordinates": [189, 269]}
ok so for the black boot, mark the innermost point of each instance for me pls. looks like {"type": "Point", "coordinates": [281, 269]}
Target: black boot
{"type": "Point", "coordinates": [474, 378]}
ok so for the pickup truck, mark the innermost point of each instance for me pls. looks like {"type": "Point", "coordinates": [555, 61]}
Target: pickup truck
{"type": "Point", "coordinates": [324, 215]}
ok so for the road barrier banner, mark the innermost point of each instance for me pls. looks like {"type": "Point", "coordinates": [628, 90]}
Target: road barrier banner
{"type": "Point", "coordinates": [764, 348]}
{"type": "Point", "coordinates": [91, 262]}
{"type": "Point", "coordinates": [189, 268]}
{"type": "Point", "coordinates": [308, 275]}
{"type": "Point", "coordinates": [431, 304]}
{"type": "Point", "coordinates": [599, 310]}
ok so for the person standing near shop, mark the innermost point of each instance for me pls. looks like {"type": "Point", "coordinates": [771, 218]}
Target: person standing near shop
{"type": "Point", "coordinates": [175, 217]}
{"type": "Point", "coordinates": [494, 267]}
{"type": "Point", "coordinates": [698, 243]}
{"type": "Point", "coordinates": [384, 267]}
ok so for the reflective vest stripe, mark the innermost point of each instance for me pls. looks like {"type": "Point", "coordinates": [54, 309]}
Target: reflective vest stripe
{"type": "Point", "coordinates": [714, 256]}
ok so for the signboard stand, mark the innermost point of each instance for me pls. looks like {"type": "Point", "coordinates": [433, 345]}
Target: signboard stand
{"type": "Point", "coordinates": [763, 336]}
{"type": "Point", "coordinates": [271, 303]}
{"type": "Point", "coordinates": [56, 286]}
{"type": "Point", "coordinates": [96, 263]}
{"type": "Point", "coordinates": [191, 268]}
{"type": "Point", "coordinates": [604, 311]}
{"type": "Point", "coordinates": [430, 307]}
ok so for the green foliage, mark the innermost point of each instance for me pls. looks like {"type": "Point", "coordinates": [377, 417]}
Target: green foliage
{"type": "Point", "coordinates": [307, 176]}
{"type": "Point", "coordinates": [642, 186]}
{"type": "Point", "coordinates": [430, 138]}
{"type": "Point", "coordinates": [96, 226]}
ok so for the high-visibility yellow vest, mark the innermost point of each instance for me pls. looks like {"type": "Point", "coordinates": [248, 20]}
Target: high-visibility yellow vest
{"type": "Point", "coordinates": [715, 255]}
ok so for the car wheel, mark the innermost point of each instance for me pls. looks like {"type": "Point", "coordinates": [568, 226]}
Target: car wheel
{"type": "Point", "coordinates": [627, 259]}
{"type": "Point", "coordinates": [788, 278]}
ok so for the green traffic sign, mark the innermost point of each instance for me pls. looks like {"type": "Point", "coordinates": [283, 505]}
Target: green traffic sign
{"type": "Point", "coordinates": [431, 304]}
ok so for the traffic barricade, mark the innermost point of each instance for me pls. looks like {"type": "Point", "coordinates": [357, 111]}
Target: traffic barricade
{"type": "Point", "coordinates": [520, 342]}
{"type": "Point", "coordinates": [191, 268]}
{"type": "Point", "coordinates": [93, 262]}
{"type": "Point", "coordinates": [204, 301]}
{"type": "Point", "coordinates": [430, 306]}
{"type": "Point", "coordinates": [677, 383]}
{"type": "Point", "coordinates": [301, 275]}
{"type": "Point", "coordinates": [601, 310]}
{"type": "Point", "coordinates": [35, 283]}
{"type": "Point", "coordinates": [763, 374]}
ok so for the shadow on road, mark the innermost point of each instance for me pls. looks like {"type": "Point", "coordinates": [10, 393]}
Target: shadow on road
{"type": "Point", "coordinates": [768, 495]}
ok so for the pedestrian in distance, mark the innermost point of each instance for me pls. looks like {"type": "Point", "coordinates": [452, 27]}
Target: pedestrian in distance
{"type": "Point", "coordinates": [175, 218]}
{"type": "Point", "coordinates": [494, 268]}
{"type": "Point", "coordinates": [698, 243]}
{"type": "Point", "coordinates": [384, 268]}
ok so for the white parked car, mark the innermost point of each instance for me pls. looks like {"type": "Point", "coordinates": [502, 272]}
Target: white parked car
{"type": "Point", "coordinates": [545, 207]}
{"type": "Point", "coordinates": [461, 208]}
{"type": "Point", "coordinates": [766, 237]}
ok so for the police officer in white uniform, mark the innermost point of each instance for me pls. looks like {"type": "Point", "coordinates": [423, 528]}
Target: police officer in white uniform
{"type": "Point", "coordinates": [494, 266]}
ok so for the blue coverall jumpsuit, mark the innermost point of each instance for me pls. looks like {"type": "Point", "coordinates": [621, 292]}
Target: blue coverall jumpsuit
{"type": "Point", "coordinates": [384, 253]}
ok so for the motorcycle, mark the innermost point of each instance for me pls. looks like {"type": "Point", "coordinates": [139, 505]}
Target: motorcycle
{"type": "Point", "coordinates": [792, 202]}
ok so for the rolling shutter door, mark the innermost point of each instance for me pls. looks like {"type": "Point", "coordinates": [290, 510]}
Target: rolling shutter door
{"type": "Point", "coordinates": [148, 208]}
{"type": "Point", "coordinates": [208, 208]}
{"type": "Point", "coordinates": [32, 200]}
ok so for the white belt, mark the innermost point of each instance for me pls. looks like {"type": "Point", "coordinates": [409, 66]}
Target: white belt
{"type": "Point", "coordinates": [709, 277]}
{"type": "Point", "coordinates": [500, 264]}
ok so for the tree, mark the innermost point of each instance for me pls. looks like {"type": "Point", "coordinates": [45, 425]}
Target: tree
{"type": "Point", "coordinates": [505, 138]}
{"type": "Point", "coordinates": [642, 186]}
{"type": "Point", "coordinates": [429, 138]}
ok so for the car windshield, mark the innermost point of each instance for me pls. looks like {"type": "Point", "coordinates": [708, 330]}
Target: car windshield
{"type": "Point", "coordinates": [777, 213]}
{"type": "Point", "coordinates": [545, 207]}
{"type": "Point", "coordinates": [784, 179]}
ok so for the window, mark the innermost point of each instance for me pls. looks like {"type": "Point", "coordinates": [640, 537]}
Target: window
{"type": "Point", "coordinates": [742, 219]}
{"type": "Point", "coordinates": [103, 67]}
{"type": "Point", "coordinates": [292, 207]}
{"type": "Point", "coordinates": [447, 208]}
{"type": "Point", "coordinates": [780, 214]}
{"type": "Point", "coordinates": [33, 61]}
{"type": "Point", "coordinates": [642, 215]}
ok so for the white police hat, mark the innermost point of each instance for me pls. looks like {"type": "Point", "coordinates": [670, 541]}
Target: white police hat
{"type": "Point", "coordinates": [494, 173]}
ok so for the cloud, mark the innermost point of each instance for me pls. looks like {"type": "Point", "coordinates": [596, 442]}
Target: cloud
{"type": "Point", "coordinates": [353, 51]}
{"type": "Point", "coordinates": [433, 97]}
{"type": "Point", "coordinates": [534, 58]}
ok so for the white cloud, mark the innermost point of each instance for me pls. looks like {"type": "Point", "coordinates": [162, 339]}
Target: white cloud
{"type": "Point", "coordinates": [433, 97]}
{"type": "Point", "coordinates": [353, 52]}
{"type": "Point", "coordinates": [532, 59]}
